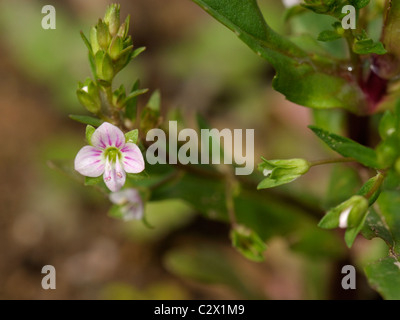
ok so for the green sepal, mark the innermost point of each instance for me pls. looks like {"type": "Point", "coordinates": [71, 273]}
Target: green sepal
{"type": "Point", "coordinates": [89, 132]}
{"type": "Point", "coordinates": [248, 243]}
{"type": "Point", "coordinates": [132, 136]}
{"type": "Point", "coordinates": [279, 172]}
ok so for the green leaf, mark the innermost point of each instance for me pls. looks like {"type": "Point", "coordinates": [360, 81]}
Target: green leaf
{"type": "Point", "coordinates": [86, 41]}
{"type": "Point", "coordinates": [304, 80]}
{"type": "Point", "coordinates": [137, 51]}
{"type": "Point", "coordinates": [89, 181]}
{"type": "Point", "coordinates": [132, 136]}
{"type": "Point", "coordinates": [86, 120]}
{"type": "Point", "coordinates": [89, 132]}
{"type": "Point", "coordinates": [248, 243]}
{"type": "Point", "coordinates": [368, 46]}
{"type": "Point", "coordinates": [352, 232]}
{"type": "Point", "coordinates": [348, 148]}
{"type": "Point", "coordinates": [384, 277]}
{"type": "Point", "coordinates": [329, 35]}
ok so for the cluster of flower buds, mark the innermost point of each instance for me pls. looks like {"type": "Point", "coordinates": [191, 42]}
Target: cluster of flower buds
{"type": "Point", "coordinates": [111, 46]}
{"type": "Point", "coordinates": [110, 50]}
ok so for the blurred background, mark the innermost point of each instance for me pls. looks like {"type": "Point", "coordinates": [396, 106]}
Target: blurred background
{"type": "Point", "coordinates": [46, 218]}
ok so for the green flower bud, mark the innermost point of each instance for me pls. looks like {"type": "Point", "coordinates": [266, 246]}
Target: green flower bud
{"type": "Point", "coordinates": [103, 35]}
{"type": "Point", "coordinates": [123, 58]}
{"type": "Point", "coordinates": [124, 28]}
{"type": "Point", "coordinates": [348, 214]}
{"type": "Point", "coordinates": [116, 47]}
{"type": "Point", "coordinates": [88, 96]}
{"type": "Point", "coordinates": [278, 172]}
{"type": "Point", "coordinates": [111, 18]}
{"type": "Point", "coordinates": [248, 243]}
{"type": "Point", "coordinates": [104, 66]}
{"type": "Point", "coordinates": [93, 40]}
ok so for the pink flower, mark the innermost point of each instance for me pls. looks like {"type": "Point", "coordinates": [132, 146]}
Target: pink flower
{"type": "Point", "coordinates": [131, 203]}
{"type": "Point", "coordinates": [109, 155]}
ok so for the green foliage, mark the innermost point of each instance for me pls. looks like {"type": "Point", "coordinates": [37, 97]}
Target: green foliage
{"type": "Point", "coordinates": [86, 120]}
{"type": "Point", "coordinates": [364, 45]}
{"type": "Point", "coordinates": [305, 80]}
{"type": "Point", "coordinates": [384, 276]}
{"type": "Point", "coordinates": [306, 75]}
{"type": "Point", "coordinates": [348, 148]}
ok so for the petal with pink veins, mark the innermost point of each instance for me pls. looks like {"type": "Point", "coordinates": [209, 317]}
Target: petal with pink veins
{"type": "Point", "coordinates": [108, 135]}
{"type": "Point", "coordinates": [132, 158]}
{"type": "Point", "coordinates": [114, 175]}
{"type": "Point", "coordinates": [89, 162]}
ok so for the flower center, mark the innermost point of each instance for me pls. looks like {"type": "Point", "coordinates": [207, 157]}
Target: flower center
{"type": "Point", "coordinates": [112, 153]}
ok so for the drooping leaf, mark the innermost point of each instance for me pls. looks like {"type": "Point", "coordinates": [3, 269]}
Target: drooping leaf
{"type": "Point", "coordinates": [348, 148]}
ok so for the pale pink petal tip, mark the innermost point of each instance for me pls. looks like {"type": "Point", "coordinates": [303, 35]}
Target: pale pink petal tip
{"type": "Point", "coordinates": [114, 176]}
{"type": "Point", "coordinates": [88, 162]}
{"type": "Point", "coordinates": [132, 158]}
{"type": "Point", "coordinates": [108, 135]}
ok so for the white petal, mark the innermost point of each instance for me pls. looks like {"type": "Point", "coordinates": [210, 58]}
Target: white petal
{"type": "Point", "coordinates": [108, 135]}
{"type": "Point", "coordinates": [343, 218]}
{"type": "Point", "coordinates": [133, 211]}
{"type": "Point", "coordinates": [124, 196]}
{"type": "Point", "coordinates": [114, 176]}
{"type": "Point", "coordinates": [267, 172]}
{"type": "Point", "coordinates": [132, 158]}
{"type": "Point", "coordinates": [290, 3]}
{"type": "Point", "coordinates": [88, 162]}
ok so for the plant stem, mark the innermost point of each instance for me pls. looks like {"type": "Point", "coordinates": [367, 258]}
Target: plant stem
{"type": "Point", "coordinates": [230, 204]}
{"type": "Point", "coordinates": [329, 161]}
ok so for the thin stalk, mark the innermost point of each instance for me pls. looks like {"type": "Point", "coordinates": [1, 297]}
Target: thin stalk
{"type": "Point", "coordinates": [330, 161]}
